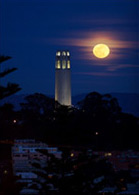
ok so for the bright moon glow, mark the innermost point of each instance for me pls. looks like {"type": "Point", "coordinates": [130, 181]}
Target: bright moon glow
{"type": "Point", "coordinates": [101, 50]}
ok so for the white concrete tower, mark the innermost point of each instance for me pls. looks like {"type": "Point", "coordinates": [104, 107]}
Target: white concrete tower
{"type": "Point", "coordinates": [63, 78]}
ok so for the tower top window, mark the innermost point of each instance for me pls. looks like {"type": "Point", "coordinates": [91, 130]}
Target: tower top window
{"type": "Point", "coordinates": [68, 54]}
{"type": "Point", "coordinates": [64, 64]}
{"type": "Point", "coordinates": [58, 64]}
{"type": "Point", "coordinates": [68, 64]}
{"type": "Point", "coordinates": [63, 53]}
{"type": "Point", "coordinates": [58, 53]}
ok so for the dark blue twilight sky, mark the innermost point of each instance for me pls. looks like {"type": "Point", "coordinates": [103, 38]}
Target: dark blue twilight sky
{"type": "Point", "coordinates": [31, 31]}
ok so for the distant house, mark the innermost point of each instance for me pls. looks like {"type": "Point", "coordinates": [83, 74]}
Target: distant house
{"type": "Point", "coordinates": [132, 189]}
{"type": "Point", "coordinates": [24, 154]}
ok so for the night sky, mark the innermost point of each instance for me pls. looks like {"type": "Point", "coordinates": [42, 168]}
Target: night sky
{"type": "Point", "coordinates": [31, 31]}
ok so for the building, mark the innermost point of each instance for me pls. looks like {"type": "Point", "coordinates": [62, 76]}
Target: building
{"type": "Point", "coordinates": [63, 78]}
{"type": "Point", "coordinates": [121, 160]}
{"type": "Point", "coordinates": [132, 189]}
{"type": "Point", "coordinates": [25, 153]}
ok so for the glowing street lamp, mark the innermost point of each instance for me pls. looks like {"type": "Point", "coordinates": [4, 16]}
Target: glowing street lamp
{"type": "Point", "coordinates": [14, 121]}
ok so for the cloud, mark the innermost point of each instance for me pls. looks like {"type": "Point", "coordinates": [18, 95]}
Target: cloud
{"type": "Point", "coordinates": [85, 41]}
{"type": "Point", "coordinates": [93, 40]}
{"type": "Point", "coordinates": [109, 74]}
{"type": "Point", "coordinates": [122, 49]}
{"type": "Point", "coordinates": [121, 66]}
{"type": "Point", "coordinates": [109, 21]}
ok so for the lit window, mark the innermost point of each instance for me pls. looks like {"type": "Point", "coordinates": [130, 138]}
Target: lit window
{"type": "Point", "coordinates": [58, 53]}
{"type": "Point", "coordinates": [72, 154]}
{"type": "Point", "coordinates": [68, 54]}
{"type": "Point", "coordinates": [64, 53]}
{"type": "Point", "coordinates": [108, 154]}
{"type": "Point", "coordinates": [58, 64]}
{"type": "Point", "coordinates": [68, 64]}
{"type": "Point", "coordinates": [50, 176]}
{"type": "Point", "coordinates": [5, 172]}
{"type": "Point", "coordinates": [64, 64]}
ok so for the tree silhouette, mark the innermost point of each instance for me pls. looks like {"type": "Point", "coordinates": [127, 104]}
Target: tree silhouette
{"type": "Point", "coordinates": [95, 103]}
{"type": "Point", "coordinates": [11, 88]}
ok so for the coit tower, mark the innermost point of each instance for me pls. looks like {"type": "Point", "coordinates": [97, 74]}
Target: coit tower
{"type": "Point", "coordinates": [63, 78]}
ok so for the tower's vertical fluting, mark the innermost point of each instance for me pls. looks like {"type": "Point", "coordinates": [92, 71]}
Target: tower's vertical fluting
{"type": "Point", "coordinates": [63, 78]}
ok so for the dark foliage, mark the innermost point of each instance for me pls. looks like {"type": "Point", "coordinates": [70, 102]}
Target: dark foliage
{"type": "Point", "coordinates": [11, 88]}
{"type": "Point", "coordinates": [97, 122]}
{"type": "Point", "coordinates": [76, 175]}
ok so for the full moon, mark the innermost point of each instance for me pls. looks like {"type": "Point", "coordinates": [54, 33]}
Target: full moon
{"type": "Point", "coordinates": [101, 50]}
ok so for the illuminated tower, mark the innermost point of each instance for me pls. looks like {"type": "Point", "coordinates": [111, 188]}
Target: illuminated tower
{"type": "Point", "coordinates": [63, 78]}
